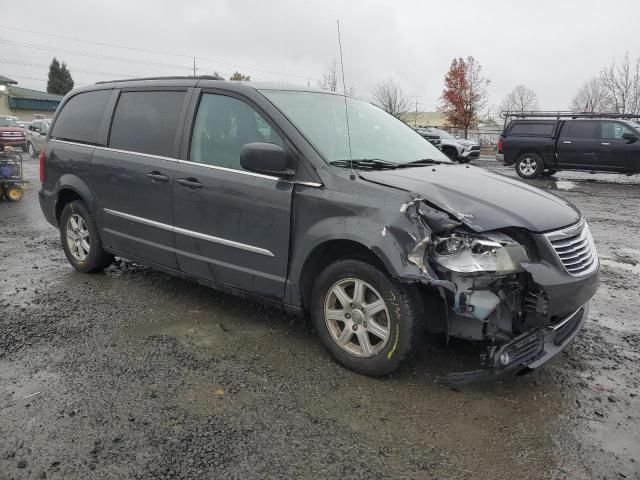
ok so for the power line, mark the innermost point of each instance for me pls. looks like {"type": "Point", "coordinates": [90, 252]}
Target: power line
{"type": "Point", "coordinates": [102, 44]}
{"type": "Point", "coordinates": [91, 55]}
{"type": "Point", "coordinates": [144, 50]}
{"type": "Point", "coordinates": [75, 70]}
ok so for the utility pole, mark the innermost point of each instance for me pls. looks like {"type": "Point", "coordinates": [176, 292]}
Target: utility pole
{"type": "Point", "coordinates": [194, 66]}
{"type": "Point", "coordinates": [415, 119]}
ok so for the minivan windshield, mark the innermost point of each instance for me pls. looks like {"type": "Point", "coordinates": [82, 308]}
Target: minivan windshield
{"type": "Point", "coordinates": [375, 135]}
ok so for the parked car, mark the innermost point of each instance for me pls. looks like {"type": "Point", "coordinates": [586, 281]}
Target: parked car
{"type": "Point", "coordinates": [432, 138]}
{"type": "Point", "coordinates": [38, 135]}
{"type": "Point", "coordinates": [542, 147]}
{"type": "Point", "coordinates": [262, 191]}
{"type": "Point", "coordinates": [455, 148]}
{"type": "Point", "coordinates": [11, 134]}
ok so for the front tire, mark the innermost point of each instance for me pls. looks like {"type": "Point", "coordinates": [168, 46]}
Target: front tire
{"type": "Point", "coordinates": [32, 150]}
{"type": "Point", "coordinates": [368, 322]}
{"type": "Point", "coordinates": [80, 239]}
{"type": "Point", "coordinates": [529, 165]}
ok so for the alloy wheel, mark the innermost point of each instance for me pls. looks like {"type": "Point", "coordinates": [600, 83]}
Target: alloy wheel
{"type": "Point", "coordinates": [528, 166]}
{"type": "Point", "coordinates": [357, 317]}
{"type": "Point", "coordinates": [78, 240]}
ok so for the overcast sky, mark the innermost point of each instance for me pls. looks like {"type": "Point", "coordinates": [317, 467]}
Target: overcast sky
{"type": "Point", "coordinates": [549, 46]}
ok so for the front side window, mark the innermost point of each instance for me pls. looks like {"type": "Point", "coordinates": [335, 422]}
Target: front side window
{"type": "Point", "coordinates": [374, 134]}
{"type": "Point", "coordinates": [614, 130]}
{"type": "Point", "coordinates": [147, 122]}
{"type": "Point", "coordinates": [81, 117]}
{"type": "Point", "coordinates": [223, 126]}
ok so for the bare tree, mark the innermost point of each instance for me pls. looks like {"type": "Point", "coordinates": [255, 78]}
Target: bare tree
{"type": "Point", "coordinates": [622, 85]}
{"type": "Point", "coordinates": [520, 99]}
{"type": "Point", "coordinates": [329, 79]}
{"type": "Point", "coordinates": [390, 97]}
{"type": "Point", "coordinates": [591, 98]}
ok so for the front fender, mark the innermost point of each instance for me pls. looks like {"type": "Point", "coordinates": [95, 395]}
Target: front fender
{"type": "Point", "coordinates": [395, 235]}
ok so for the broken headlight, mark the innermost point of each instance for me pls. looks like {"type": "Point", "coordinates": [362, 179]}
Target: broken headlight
{"type": "Point", "coordinates": [466, 253]}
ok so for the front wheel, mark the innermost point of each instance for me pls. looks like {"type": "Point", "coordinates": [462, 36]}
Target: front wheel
{"type": "Point", "coordinates": [368, 322]}
{"type": "Point", "coordinates": [80, 239]}
{"type": "Point", "coordinates": [32, 150]}
{"type": "Point", "coordinates": [529, 165]}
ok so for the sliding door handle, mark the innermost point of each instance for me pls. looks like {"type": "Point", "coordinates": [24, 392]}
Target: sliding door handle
{"type": "Point", "coordinates": [156, 176]}
{"type": "Point", "coordinates": [567, 142]}
{"type": "Point", "coordinates": [189, 182]}
{"type": "Point", "coordinates": [606, 144]}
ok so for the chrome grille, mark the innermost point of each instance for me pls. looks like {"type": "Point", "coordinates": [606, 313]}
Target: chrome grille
{"type": "Point", "coordinates": [575, 248]}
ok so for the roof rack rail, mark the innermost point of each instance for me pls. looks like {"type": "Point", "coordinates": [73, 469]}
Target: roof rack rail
{"type": "Point", "coordinates": [175, 77]}
{"type": "Point", "coordinates": [508, 115]}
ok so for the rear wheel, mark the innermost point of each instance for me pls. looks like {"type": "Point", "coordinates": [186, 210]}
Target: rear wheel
{"type": "Point", "coordinates": [529, 165]}
{"type": "Point", "coordinates": [369, 322]}
{"type": "Point", "coordinates": [80, 239]}
{"type": "Point", "coordinates": [14, 193]}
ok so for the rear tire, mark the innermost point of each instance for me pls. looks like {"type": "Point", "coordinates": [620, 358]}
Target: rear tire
{"type": "Point", "coordinates": [370, 332]}
{"type": "Point", "coordinates": [529, 165]}
{"type": "Point", "coordinates": [80, 239]}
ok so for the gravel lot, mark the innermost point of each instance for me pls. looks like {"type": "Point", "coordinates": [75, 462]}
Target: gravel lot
{"type": "Point", "coordinates": [135, 374]}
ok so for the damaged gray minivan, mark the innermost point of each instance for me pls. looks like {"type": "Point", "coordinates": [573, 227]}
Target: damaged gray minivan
{"type": "Point", "coordinates": [269, 192]}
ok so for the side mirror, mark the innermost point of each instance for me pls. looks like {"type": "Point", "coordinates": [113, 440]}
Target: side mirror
{"type": "Point", "coordinates": [629, 137]}
{"type": "Point", "coordinates": [265, 158]}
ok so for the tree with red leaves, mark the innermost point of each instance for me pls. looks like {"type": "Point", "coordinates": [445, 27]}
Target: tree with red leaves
{"type": "Point", "coordinates": [464, 94]}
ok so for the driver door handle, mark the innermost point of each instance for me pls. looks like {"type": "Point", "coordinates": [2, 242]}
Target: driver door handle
{"type": "Point", "coordinates": [189, 182]}
{"type": "Point", "coordinates": [605, 143]}
{"type": "Point", "coordinates": [567, 142]}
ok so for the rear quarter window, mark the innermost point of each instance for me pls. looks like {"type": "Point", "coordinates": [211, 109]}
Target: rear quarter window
{"type": "Point", "coordinates": [81, 116]}
{"type": "Point", "coordinates": [537, 129]}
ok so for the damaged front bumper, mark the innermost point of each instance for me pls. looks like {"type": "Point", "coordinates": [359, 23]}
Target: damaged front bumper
{"type": "Point", "coordinates": [527, 351]}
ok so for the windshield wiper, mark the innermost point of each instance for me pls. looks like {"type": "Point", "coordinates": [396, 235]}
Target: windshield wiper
{"type": "Point", "coordinates": [423, 162]}
{"type": "Point", "coordinates": [365, 164]}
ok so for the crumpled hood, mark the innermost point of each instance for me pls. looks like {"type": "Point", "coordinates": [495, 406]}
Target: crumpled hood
{"type": "Point", "coordinates": [480, 199]}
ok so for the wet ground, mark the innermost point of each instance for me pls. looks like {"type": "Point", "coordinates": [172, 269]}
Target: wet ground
{"type": "Point", "coordinates": [135, 374]}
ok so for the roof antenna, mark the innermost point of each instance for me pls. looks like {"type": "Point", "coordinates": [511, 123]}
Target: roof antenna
{"type": "Point", "coordinates": [352, 176]}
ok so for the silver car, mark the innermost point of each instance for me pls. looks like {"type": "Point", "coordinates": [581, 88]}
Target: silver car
{"type": "Point", "coordinates": [37, 136]}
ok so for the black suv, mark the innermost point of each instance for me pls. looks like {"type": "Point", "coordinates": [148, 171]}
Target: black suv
{"type": "Point", "coordinates": [542, 147]}
{"type": "Point", "coordinates": [266, 191]}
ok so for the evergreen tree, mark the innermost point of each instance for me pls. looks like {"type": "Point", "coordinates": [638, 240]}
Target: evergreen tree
{"type": "Point", "coordinates": [60, 81]}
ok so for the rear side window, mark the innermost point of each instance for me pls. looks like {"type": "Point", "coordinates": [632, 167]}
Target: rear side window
{"type": "Point", "coordinates": [81, 116]}
{"type": "Point", "coordinates": [146, 122]}
{"type": "Point", "coordinates": [543, 129]}
{"type": "Point", "coordinates": [579, 129]}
